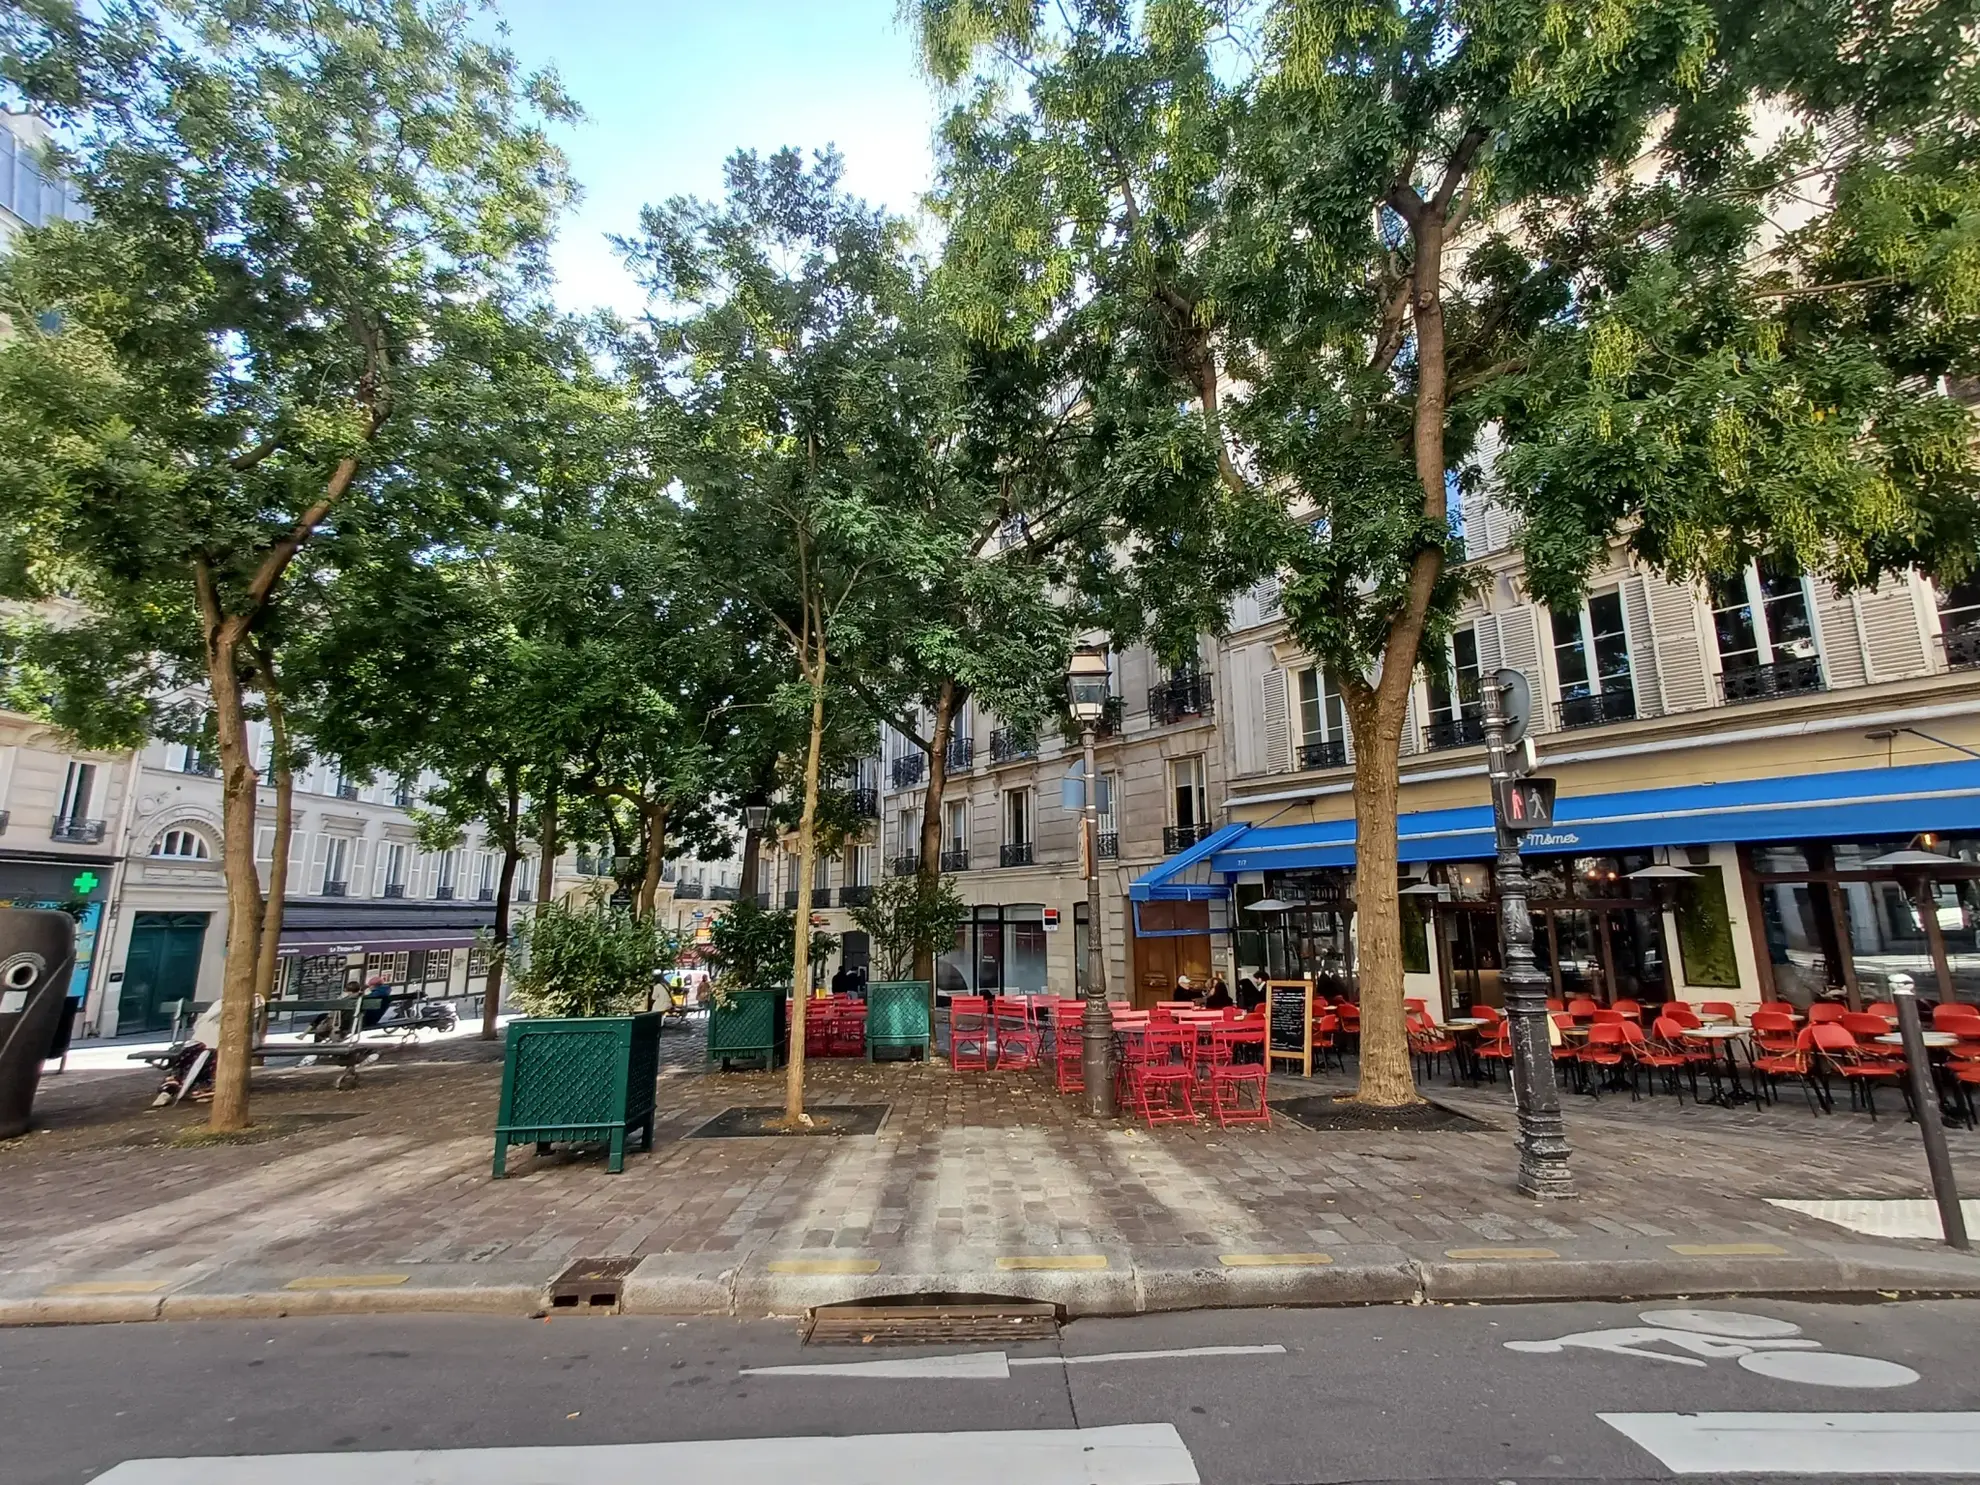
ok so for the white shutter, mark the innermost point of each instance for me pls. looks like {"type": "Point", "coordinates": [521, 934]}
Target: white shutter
{"type": "Point", "coordinates": [1278, 726]}
{"type": "Point", "coordinates": [1681, 663]}
{"type": "Point", "coordinates": [264, 843]}
{"type": "Point", "coordinates": [1892, 631]}
{"type": "Point", "coordinates": [360, 861]}
{"type": "Point", "coordinates": [1519, 649]}
{"type": "Point", "coordinates": [1642, 639]}
{"type": "Point", "coordinates": [312, 882]}
{"type": "Point", "coordinates": [1491, 653]}
{"type": "Point", "coordinates": [378, 869]}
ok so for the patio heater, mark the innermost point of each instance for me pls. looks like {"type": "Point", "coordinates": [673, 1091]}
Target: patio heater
{"type": "Point", "coordinates": [1086, 698]}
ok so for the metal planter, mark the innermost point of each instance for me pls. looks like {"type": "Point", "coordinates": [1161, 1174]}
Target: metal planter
{"type": "Point", "coordinates": [750, 1028]}
{"type": "Point", "coordinates": [578, 1078]}
{"type": "Point", "coordinates": [897, 1016]}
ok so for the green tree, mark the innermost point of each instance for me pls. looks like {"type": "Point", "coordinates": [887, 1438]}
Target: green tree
{"type": "Point", "coordinates": [304, 218]}
{"type": "Point", "coordinates": [908, 919]}
{"type": "Point", "coordinates": [1349, 235]}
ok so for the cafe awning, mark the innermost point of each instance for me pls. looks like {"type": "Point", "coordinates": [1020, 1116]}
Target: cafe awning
{"type": "Point", "coordinates": [1868, 803]}
{"type": "Point", "coordinates": [1186, 876]}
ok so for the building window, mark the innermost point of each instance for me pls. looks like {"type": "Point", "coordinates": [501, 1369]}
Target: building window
{"type": "Point", "coordinates": [395, 869]}
{"type": "Point", "coordinates": [78, 791]}
{"type": "Point", "coordinates": [862, 867]}
{"type": "Point", "coordinates": [1322, 722]}
{"type": "Point", "coordinates": [955, 835]}
{"type": "Point", "coordinates": [821, 872]}
{"type": "Point", "coordinates": [180, 845]}
{"type": "Point", "coordinates": [1762, 621]}
{"type": "Point", "coordinates": [336, 866]}
{"type": "Point", "coordinates": [1017, 828]}
{"type": "Point", "coordinates": [1189, 804]}
{"type": "Point", "coordinates": [484, 880]}
{"type": "Point", "coordinates": [1456, 713]}
{"type": "Point", "coordinates": [1591, 663]}
{"type": "Point", "coordinates": [450, 867]}
{"type": "Point", "coordinates": [1959, 621]}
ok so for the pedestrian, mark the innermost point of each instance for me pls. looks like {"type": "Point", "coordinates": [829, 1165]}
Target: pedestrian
{"type": "Point", "coordinates": [1249, 996]}
{"type": "Point", "coordinates": [846, 981]}
{"type": "Point", "coordinates": [1185, 989]}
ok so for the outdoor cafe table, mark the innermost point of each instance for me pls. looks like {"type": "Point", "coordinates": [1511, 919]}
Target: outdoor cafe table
{"type": "Point", "coordinates": [1723, 1039]}
{"type": "Point", "coordinates": [1464, 1029]}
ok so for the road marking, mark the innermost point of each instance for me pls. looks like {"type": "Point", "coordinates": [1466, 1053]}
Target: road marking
{"type": "Point", "coordinates": [824, 1265]}
{"type": "Point", "coordinates": [109, 1286]}
{"type": "Point", "coordinates": [1789, 1444]}
{"type": "Point", "coordinates": [1759, 1343]}
{"type": "Point", "coordinates": [347, 1281]}
{"type": "Point", "coordinates": [1735, 1323]}
{"type": "Point", "coordinates": [1903, 1218]}
{"type": "Point", "coordinates": [1046, 1261]}
{"type": "Point", "coordinates": [1472, 1255]}
{"type": "Point", "coordinates": [1828, 1369]}
{"type": "Point", "coordinates": [1728, 1250]}
{"type": "Point", "coordinates": [1273, 1260]}
{"type": "Point", "coordinates": [986, 1366]}
{"type": "Point", "coordinates": [1130, 1454]}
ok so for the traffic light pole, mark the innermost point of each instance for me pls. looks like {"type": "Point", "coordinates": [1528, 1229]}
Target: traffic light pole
{"type": "Point", "coordinates": [1543, 1145]}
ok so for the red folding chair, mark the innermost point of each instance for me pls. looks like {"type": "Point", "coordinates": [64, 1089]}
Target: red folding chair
{"type": "Point", "coordinates": [848, 1034]}
{"type": "Point", "coordinates": [1069, 1045]}
{"type": "Point", "coordinates": [1838, 1049]}
{"type": "Point", "coordinates": [1658, 1057]}
{"type": "Point", "coordinates": [1158, 1077]}
{"type": "Point", "coordinates": [1495, 1046]}
{"type": "Point", "coordinates": [969, 1033]}
{"type": "Point", "coordinates": [1604, 1049]}
{"type": "Point", "coordinates": [1230, 1076]}
{"type": "Point", "coordinates": [1795, 1060]}
{"type": "Point", "coordinates": [1017, 1038]}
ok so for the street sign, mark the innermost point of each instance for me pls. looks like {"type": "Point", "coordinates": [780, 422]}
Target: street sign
{"type": "Point", "coordinates": [1518, 702]}
{"type": "Point", "coordinates": [1051, 920]}
{"type": "Point", "coordinates": [1525, 804]}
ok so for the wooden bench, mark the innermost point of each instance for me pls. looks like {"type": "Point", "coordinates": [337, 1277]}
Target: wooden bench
{"type": "Point", "coordinates": [341, 1047]}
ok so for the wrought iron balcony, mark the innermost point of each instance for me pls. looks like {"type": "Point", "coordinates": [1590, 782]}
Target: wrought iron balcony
{"type": "Point", "coordinates": [443, 894]}
{"type": "Point", "coordinates": [955, 861]}
{"type": "Point", "coordinates": [1795, 677]}
{"type": "Point", "coordinates": [77, 832]}
{"type": "Point", "coordinates": [1182, 837]}
{"type": "Point", "coordinates": [1461, 731]}
{"type": "Point", "coordinates": [1329, 754]}
{"type": "Point", "coordinates": [1010, 744]}
{"type": "Point", "coordinates": [790, 898]}
{"type": "Point", "coordinates": [523, 893]}
{"type": "Point", "coordinates": [1615, 705]}
{"type": "Point", "coordinates": [1963, 646]}
{"type": "Point", "coordinates": [723, 892]}
{"type": "Point", "coordinates": [855, 896]}
{"type": "Point", "coordinates": [1110, 845]}
{"type": "Point", "coordinates": [1180, 698]}
{"type": "Point", "coordinates": [864, 803]}
{"type": "Point", "coordinates": [962, 753]}
{"type": "Point", "coordinates": [395, 889]}
{"type": "Point", "coordinates": [910, 769]}
{"type": "Point", "coordinates": [346, 789]}
{"type": "Point", "coordinates": [198, 763]}
{"type": "Point", "coordinates": [1015, 855]}
{"type": "Point", "coordinates": [336, 889]}
{"type": "Point", "coordinates": [404, 796]}
{"type": "Point", "coordinates": [484, 894]}
{"type": "Point", "coordinates": [904, 866]}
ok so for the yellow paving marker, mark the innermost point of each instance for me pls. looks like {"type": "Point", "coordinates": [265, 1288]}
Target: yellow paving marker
{"type": "Point", "coordinates": [1729, 1250]}
{"type": "Point", "coordinates": [824, 1265]}
{"type": "Point", "coordinates": [1047, 1261]}
{"type": "Point", "coordinates": [347, 1281]}
{"type": "Point", "coordinates": [1273, 1260]}
{"type": "Point", "coordinates": [1474, 1254]}
{"type": "Point", "coordinates": [109, 1286]}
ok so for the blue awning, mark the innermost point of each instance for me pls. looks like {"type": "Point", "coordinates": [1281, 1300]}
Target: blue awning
{"type": "Point", "coordinates": [1166, 883]}
{"type": "Point", "coordinates": [1869, 803]}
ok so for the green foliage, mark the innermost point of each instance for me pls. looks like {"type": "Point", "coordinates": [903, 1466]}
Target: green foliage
{"type": "Point", "coordinates": [588, 960]}
{"type": "Point", "coordinates": [1704, 928]}
{"type": "Point", "coordinates": [907, 916]}
{"type": "Point", "coordinates": [752, 947]}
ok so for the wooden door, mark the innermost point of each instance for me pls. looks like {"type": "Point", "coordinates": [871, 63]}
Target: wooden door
{"type": "Point", "coordinates": [161, 967]}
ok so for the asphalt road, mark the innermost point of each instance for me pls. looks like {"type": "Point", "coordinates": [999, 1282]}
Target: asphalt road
{"type": "Point", "coordinates": [1299, 1397]}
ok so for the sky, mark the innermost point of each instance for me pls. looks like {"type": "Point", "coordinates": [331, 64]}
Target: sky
{"type": "Point", "coordinates": [673, 87]}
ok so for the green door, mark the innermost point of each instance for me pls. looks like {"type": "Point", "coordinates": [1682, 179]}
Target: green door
{"type": "Point", "coordinates": [162, 966]}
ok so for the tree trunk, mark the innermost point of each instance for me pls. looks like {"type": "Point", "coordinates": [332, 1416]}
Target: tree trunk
{"type": "Point", "coordinates": [655, 816]}
{"type": "Point", "coordinates": [546, 830]}
{"type": "Point", "coordinates": [929, 869]}
{"type": "Point", "coordinates": [1387, 1079]}
{"type": "Point", "coordinates": [239, 800]}
{"type": "Point", "coordinates": [807, 851]}
{"type": "Point", "coordinates": [491, 1000]}
{"type": "Point", "coordinates": [285, 819]}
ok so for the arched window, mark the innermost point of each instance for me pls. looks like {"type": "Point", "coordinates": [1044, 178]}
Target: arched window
{"type": "Point", "coordinates": [180, 845]}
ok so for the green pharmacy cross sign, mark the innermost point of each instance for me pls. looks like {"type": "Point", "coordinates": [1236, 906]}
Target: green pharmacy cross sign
{"type": "Point", "coordinates": [85, 884]}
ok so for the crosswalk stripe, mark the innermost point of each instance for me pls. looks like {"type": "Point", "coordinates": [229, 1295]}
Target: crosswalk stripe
{"type": "Point", "coordinates": [1128, 1454]}
{"type": "Point", "coordinates": [1792, 1444]}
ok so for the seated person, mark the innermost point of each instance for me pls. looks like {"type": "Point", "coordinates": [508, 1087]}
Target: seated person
{"type": "Point", "coordinates": [1249, 996]}
{"type": "Point", "coordinates": [1185, 990]}
{"type": "Point", "coordinates": [1219, 997]}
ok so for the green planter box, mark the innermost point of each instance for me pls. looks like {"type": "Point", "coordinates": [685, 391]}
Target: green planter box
{"type": "Point", "coordinates": [750, 1028]}
{"type": "Point", "coordinates": [578, 1078]}
{"type": "Point", "coordinates": [897, 1016]}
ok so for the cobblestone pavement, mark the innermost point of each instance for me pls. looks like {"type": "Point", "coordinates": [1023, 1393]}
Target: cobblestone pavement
{"type": "Point", "coordinates": [397, 1172]}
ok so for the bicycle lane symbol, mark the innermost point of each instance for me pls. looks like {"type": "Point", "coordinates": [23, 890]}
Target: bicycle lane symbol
{"type": "Point", "coordinates": [1757, 1343]}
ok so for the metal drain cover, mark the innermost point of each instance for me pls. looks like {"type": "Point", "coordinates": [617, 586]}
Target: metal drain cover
{"type": "Point", "coordinates": [931, 1324]}
{"type": "Point", "coordinates": [591, 1286]}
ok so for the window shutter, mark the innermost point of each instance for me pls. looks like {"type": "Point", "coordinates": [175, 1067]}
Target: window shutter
{"type": "Point", "coordinates": [1491, 650]}
{"type": "Point", "coordinates": [1681, 663]}
{"type": "Point", "coordinates": [312, 883]}
{"type": "Point", "coordinates": [264, 843]}
{"type": "Point", "coordinates": [1836, 618]}
{"type": "Point", "coordinates": [1519, 649]}
{"type": "Point", "coordinates": [360, 863]}
{"type": "Point", "coordinates": [1278, 729]}
{"type": "Point", "coordinates": [1891, 629]}
{"type": "Point", "coordinates": [1411, 738]}
{"type": "Point", "coordinates": [1643, 674]}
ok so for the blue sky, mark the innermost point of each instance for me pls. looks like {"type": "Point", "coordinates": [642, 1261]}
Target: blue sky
{"type": "Point", "coordinates": [672, 87]}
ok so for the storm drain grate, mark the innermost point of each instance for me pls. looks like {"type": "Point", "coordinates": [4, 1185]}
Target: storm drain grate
{"type": "Point", "coordinates": [591, 1286]}
{"type": "Point", "coordinates": [930, 1324]}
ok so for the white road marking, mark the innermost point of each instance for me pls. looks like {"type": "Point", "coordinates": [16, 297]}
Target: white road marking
{"type": "Point", "coordinates": [1791, 1444]}
{"type": "Point", "coordinates": [1132, 1454]}
{"type": "Point", "coordinates": [1900, 1218]}
{"type": "Point", "coordinates": [1631, 1340]}
{"type": "Point", "coordinates": [1734, 1323]}
{"type": "Point", "coordinates": [985, 1366]}
{"type": "Point", "coordinates": [1828, 1369]}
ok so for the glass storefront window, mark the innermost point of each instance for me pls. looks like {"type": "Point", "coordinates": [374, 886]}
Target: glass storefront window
{"type": "Point", "coordinates": [1886, 937]}
{"type": "Point", "coordinates": [1959, 923]}
{"type": "Point", "coordinates": [1024, 951]}
{"type": "Point", "coordinates": [1795, 940]}
{"type": "Point", "coordinates": [1769, 860]}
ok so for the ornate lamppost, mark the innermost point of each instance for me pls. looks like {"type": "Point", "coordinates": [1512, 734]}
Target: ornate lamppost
{"type": "Point", "coordinates": [1086, 697]}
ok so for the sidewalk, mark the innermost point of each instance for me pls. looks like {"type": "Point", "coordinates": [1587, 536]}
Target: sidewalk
{"type": "Point", "coordinates": [380, 1198]}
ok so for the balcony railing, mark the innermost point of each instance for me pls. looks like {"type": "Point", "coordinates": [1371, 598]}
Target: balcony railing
{"type": "Point", "coordinates": [1015, 855]}
{"type": "Point", "coordinates": [403, 796]}
{"type": "Point", "coordinates": [395, 889]}
{"type": "Point", "coordinates": [1615, 705]}
{"type": "Point", "coordinates": [723, 892]}
{"type": "Point", "coordinates": [955, 861]}
{"type": "Point", "coordinates": [523, 893]}
{"type": "Point", "coordinates": [76, 832]}
{"type": "Point", "coordinates": [1180, 698]}
{"type": "Point", "coordinates": [910, 769]}
{"type": "Point", "coordinates": [1110, 845]}
{"type": "Point", "coordinates": [1331, 753]}
{"type": "Point", "coordinates": [336, 889]}
{"type": "Point", "coordinates": [688, 891]}
{"type": "Point", "coordinates": [904, 866]}
{"type": "Point", "coordinates": [1460, 731]}
{"type": "Point", "coordinates": [205, 767]}
{"type": "Point", "coordinates": [790, 898]}
{"type": "Point", "coordinates": [1795, 677]}
{"type": "Point", "coordinates": [1963, 646]}
{"type": "Point", "coordinates": [484, 894]}
{"type": "Point", "coordinates": [962, 753]}
{"type": "Point", "coordinates": [1009, 744]}
{"type": "Point", "coordinates": [855, 896]}
{"type": "Point", "coordinates": [346, 789]}
{"type": "Point", "coordinates": [443, 894]}
{"type": "Point", "coordinates": [5, 816]}
{"type": "Point", "coordinates": [1182, 837]}
{"type": "Point", "coordinates": [864, 803]}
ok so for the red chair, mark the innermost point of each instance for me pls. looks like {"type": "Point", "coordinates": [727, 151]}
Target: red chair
{"type": "Point", "coordinates": [1632, 1009]}
{"type": "Point", "coordinates": [1659, 1057]}
{"type": "Point", "coordinates": [1719, 1008]}
{"type": "Point", "coordinates": [1231, 1075]}
{"type": "Point", "coordinates": [1326, 1039]}
{"type": "Point", "coordinates": [1495, 1046]}
{"type": "Point", "coordinates": [1669, 1030]}
{"type": "Point", "coordinates": [1950, 1015]}
{"type": "Point", "coordinates": [820, 1024]}
{"type": "Point", "coordinates": [1556, 1005]}
{"type": "Point", "coordinates": [1837, 1048]}
{"type": "Point", "coordinates": [1605, 1049]}
{"type": "Point", "coordinates": [1796, 1060]}
{"type": "Point", "coordinates": [1610, 1016]}
{"type": "Point", "coordinates": [1773, 1032]}
{"type": "Point", "coordinates": [1069, 1045]}
{"type": "Point", "coordinates": [1350, 1015]}
{"type": "Point", "coordinates": [1885, 1008]}
{"type": "Point", "coordinates": [1428, 1041]}
{"type": "Point", "coordinates": [1680, 1014]}
{"type": "Point", "coordinates": [1866, 1028]}
{"type": "Point", "coordinates": [1017, 1038]}
{"type": "Point", "coordinates": [1784, 1007]}
{"type": "Point", "coordinates": [969, 1033]}
{"type": "Point", "coordinates": [1826, 1012]}
{"type": "Point", "coordinates": [1582, 1008]}
{"type": "Point", "coordinates": [1158, 1077]}
{"type": "Point", "coordinates": [1486, 1013]}
{"type": "Point", "coordinates": [848, 1034]}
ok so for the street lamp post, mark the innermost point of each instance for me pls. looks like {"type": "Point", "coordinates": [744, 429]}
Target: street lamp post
{"type": "Point", "coordinates": [1543, 1146]}
{"type": "Point", "coordinates": [1086, 696]}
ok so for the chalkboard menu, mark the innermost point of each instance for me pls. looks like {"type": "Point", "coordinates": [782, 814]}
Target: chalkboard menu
{"type": "Point", "coordinates": [1289, 1023]}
